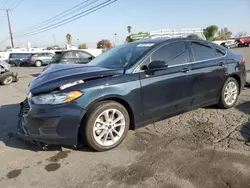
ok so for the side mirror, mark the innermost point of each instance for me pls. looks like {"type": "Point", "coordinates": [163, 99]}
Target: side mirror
{"type": "Point", "coordinates": [157, 65]}
{"type": "Point", "coordinates": [91, 57]}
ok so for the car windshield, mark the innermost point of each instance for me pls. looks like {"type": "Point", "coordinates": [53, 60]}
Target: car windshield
{"type": "Point", "coordinates": [120, 56]}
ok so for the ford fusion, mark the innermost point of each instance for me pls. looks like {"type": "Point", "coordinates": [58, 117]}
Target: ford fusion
{"type": "Point", "coordinates": [127, 87]}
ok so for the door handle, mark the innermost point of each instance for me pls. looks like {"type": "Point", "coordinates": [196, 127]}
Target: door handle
{"type": "Point", "coordinates": [185, 70]}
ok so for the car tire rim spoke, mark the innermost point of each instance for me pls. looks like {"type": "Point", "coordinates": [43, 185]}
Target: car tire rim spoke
{"type": "Point", "coordinates": [102, 134]}
{"type": "Point", "coordinates": [116, 133]}
{"type": "Point", "coordinates": [109, 127]}
{"type": "Point", "coordinates": [106, 116]}
{"type": "Point", "coordinates": [105, 137]}
{"type": "Point", "coordinates": [117, 120]}
{"type": "Point", "coordinates": [112, 136]}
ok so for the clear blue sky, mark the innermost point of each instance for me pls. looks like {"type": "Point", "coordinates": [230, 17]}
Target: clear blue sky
{"type": "Point", "coordinates": [142, 15]}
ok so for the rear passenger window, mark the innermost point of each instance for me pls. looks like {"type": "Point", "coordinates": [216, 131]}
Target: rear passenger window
{"type": "Point", "coordinates": [202, 51]}
{"type": "Point", "coordinates": [173, 54]}
{"type": "Point", "coordinates": [220, 52]}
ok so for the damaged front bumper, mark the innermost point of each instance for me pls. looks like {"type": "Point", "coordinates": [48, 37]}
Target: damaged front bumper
{"type": "Point", "coordinates": [50, 124]}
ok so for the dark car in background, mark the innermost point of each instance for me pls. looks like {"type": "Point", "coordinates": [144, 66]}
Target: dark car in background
{"type": "Point", "coordinates": [127, 87]}
{"type": "Point", "coordinates": [18, 59]}
{"type": "Point", "coordinates": [72, 57]}
{"type": "Point", "coordinates": [40, 59]}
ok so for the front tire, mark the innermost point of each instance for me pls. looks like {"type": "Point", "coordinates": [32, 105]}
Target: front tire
{"type": "Point", "coordinates": [6, 78]}
{"type": "Point", "coordinates": [229, 93]}
{"type": "Point", "coordinates": [18, 63]}
{"type": "Point", "coordinates": [106, 125]}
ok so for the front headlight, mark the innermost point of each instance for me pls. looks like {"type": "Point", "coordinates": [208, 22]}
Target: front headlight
{"type": "Point", "coordinates": [58, 98]}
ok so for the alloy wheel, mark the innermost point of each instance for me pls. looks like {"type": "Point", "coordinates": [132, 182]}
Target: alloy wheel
{"type": "Point", "coordinates": [109, 127]}
{"type": "Point", "coordinates": [231, 93]}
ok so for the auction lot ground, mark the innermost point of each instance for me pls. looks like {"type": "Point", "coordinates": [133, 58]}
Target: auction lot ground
{"type": "Point", "coordinates": [202, 148]}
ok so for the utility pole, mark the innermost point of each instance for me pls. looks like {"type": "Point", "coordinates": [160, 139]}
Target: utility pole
{"type": "Point", "coordinates": [11, 37]}
{"type": "Point", "coordinates": [115, 39]}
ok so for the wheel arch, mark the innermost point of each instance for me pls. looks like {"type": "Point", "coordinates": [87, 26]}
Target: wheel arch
{"type": "Point", "coordinates": [39, 60]}
{"type": "Point", "coordinates": [120, 100]}
{"type": "Point", "coordinates": [236, 77]}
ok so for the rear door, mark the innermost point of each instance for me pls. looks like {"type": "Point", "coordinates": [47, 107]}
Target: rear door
{"type": "Point", "coordinates": [209, 71]}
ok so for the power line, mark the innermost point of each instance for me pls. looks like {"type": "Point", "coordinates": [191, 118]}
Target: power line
{"type": "Point", "coordinates": [17, 4]}
{"type": "Point", "coordinates": [50, 20]}
{"type": "Point", "coordinates": [70, 19]}
{"type": "Point", "coordinates": [2, 20]}
{"type": "Point", "coordinates": [5, 2]}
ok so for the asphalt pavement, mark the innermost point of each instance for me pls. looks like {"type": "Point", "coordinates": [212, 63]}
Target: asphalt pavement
{"type": "Point", "coordinates": [202, 148]}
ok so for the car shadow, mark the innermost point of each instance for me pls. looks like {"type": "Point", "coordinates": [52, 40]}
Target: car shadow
{"type": "Point", "coordinates": [245, 129]}
{"type": "Point", "coordinates": [8, 126]}
{"type": "Point", "coordinates": [8, 132]}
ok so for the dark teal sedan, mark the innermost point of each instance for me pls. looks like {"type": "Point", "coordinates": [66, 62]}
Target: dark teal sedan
{"type": "Point", "coordinates": [127, 87]}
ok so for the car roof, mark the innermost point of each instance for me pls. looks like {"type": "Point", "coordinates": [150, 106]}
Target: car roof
{"type": "Point", "coordinates": [163, 40]}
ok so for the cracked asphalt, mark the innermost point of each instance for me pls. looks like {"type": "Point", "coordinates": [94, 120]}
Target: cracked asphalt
{"type": "Point", "coordinates": [203, 148]}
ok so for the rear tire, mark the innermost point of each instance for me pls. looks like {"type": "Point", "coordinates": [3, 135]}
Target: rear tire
{"type": "Point", "coordinates": [106, 126]}
{"type": "Point", "coordinates": [6, 78]}
{"type": "Point", "coordinates": [18, 63]}
{"type": "Point", "coordinates": [229, 93]}
{"type": "Point", "coordinates": [38, 63]}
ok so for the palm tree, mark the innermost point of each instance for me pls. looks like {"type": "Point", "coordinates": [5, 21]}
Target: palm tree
{"type": "Point", "coordinates": [129, 28]}
{"type": "Point", "coordinates": [69, 39]}
{"type": "Point", "coordinates": [224, 34]}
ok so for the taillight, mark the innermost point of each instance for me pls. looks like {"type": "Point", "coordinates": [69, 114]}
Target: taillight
{"type": "Point", "coordinates": [30, 58]}
{"type": "Point", "coordinates": [243, 61]}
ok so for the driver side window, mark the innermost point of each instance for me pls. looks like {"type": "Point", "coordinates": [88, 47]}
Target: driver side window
{"type": "Point", "coordinates": [173, 54]}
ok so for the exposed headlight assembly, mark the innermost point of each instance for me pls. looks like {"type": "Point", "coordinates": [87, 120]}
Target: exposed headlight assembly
{"type": "Point", "coordinates": [57, 98]}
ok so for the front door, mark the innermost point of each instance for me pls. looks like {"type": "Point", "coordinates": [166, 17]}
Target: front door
{"type": "Point", "coordinates": [167, 91]}
{"type": "Point", "coordinates": [209, 69]}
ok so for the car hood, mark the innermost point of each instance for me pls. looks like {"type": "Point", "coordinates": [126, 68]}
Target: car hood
{"type": "Point", "coordinates": [59, 74]}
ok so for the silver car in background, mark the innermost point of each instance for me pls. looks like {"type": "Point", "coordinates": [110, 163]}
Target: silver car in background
{"type": "Point", "coordinates": [40, 59]}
